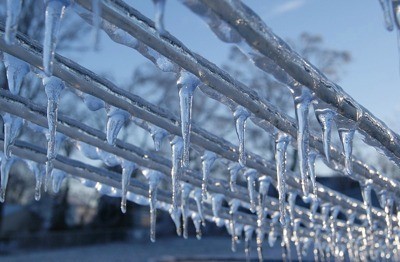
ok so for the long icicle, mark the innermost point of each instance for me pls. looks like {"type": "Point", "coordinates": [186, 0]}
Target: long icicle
{"type": "Point", "coordinates": [127, 170]}
{"type": "Point", "coordinates": [207, 161]}
{"type": "Point", "coordinates": [187, 84]}
{"type": "Point", "coordinates": [186, 189]}
{"type": "Point", "coordinates": [251, 176]}
{"type": "Point", "coordinates": [96, 9]}
{"type": "Point", "coordinates": [176, 170]}
{"type": "Point", "coordinates": [241, 115]}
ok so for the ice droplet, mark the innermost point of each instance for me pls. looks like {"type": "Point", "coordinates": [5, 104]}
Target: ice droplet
{"type": "Point", "coordinates": [177, 154]}
{"type": "Point", "coordinates": [159, 6]}
{"type": "Point", "coordinates": [127, 170]}
{"type": "Point", "coordinates": [96, 9]}
{"type": "Point", "coordinates": [154, 178]}
{"type": "Point", "coordinates": [13, 11]}
{"type": "Point", "coordinates": [240, 115]}
{"type": "Point", "coordinates": [302, 100]}
{"type": "Point", "coordinates": [53, 87]}
{"type": "Point", "coordinates": [116, 118]}
{"type": "Point", "coordinates": [325, 118]}
{"type": "Point", "coordinates": [207, 161]}
{"type": "Point", "coordinates": [6, 164]}
{"type": "Point", "coordinates": [366, 188]}
{"type": "Point", "coordinates": [57, 179]}
{"type": "Point", "coordinates": [187, 84]}
{"type": "Point", "coordinates": [12, 128]}
{"type": "Point", "coordinates": [38, 171]}
{"type": "Point", "coordinates": [16, 70]}
{"type": "Point", "coordinates": [251, 176]}
{"type": "Point", "coordinates": [234, 169]}
{"type": "Point", "coordinates": [54, 12]}
{"type": "Point", "coordinates": [186, 189]}
{"type": "Point", "coordinates": [281, 144]}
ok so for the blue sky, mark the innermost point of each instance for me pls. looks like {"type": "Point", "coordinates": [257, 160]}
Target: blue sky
{"type": "Point", "coordinates": [372, 78]}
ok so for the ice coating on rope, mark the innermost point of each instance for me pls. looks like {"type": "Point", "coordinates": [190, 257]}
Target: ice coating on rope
{"type": "Point", "coordinates": [12, 128]}
{"type": "Point", "coordinates": [366, 188]}
{"type": "Point", "coordinates": [54, 13]}
{"type": "Point", "coordinates": [234, 205]}
{"type": "Point", "coordinates": [312, 156]}
{"type": "Point", "coordinates": [5, 167]}
{"type": "Point", "coordinates": [38, 171]}
{"type": "Point", "coordinates": [16, 70]}
{"type": "Point", "coordinates": [240, 115]}
{"type": "Point", "coordinates": [116, 119]}
{"type": "Point", "coordinates": [325, 118]}
{"type": "Point", "coordinates": [154, 178]}
{"type": "Point", "coordinates": [197, 224]}
{"type": "Point", "coordinates": [159, 6]}
{"type": "Point", "coordinates": [207, 161]}
{"type": "Point", "coordinates": [387, 16]}
{"type": "Point", "coordinates": [251, 176]}
{"type": "Point", "coordinates": [234, 169]}
{"type": "Point", "coordinates": [216, 204]}
{"type": "Point", "coordinates": [187, 84]}
{"type": "Point", "coordinates": [302, 100]}
{"type": "Point", "coordinates": [96, 9]}
{"type": "Point", "coordinates": [186, 189]}
{"type": "Point", "coordinates": [248, 235]}
{"type": "Point", "coordinates": [197, 196]}
{"type": "Point", "coordinates": [13, 11]}
{"type": "Point", "coordinates": [53, 87]}
{"type": "Point", "coordinates": [127, 170]}
{"type": "Point", "coordinates": [346, 135]}
{"type": "Point", "coordinates": [177, 154]}
{"type": "Point", "coordinates": [57, 177]}
{"type": "Point", "coordinates": [281, 144]}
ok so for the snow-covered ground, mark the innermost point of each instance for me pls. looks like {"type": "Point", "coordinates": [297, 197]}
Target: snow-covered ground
{"type": "Point", "coordinates": [218, 248]}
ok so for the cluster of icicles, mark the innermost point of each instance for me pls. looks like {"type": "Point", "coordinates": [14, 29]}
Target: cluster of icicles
{"type": "Point", "coordinates": [327, 238]}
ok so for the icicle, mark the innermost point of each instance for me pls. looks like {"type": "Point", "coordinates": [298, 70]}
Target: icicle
{"type": "Point", "coordinates": [12, 128]}
{"type": "Point", "coordinates": [325, 117]}
{"type": "Point", "coordinates": [187, 84]}
{"type": "Point", "coordinates": [273, 235]}
{"type": "Point", "coordinates": [109, 159]}
{"type": "Point", "coordinates": [127, 170]}
{"type": "Point", "coordinates": [334, 213]}
{"type": "Point", "coordinates": [366, 188]}
{"type": "Point", "coordinates": [281, 144]}
{"type": "Point", "coordinates": [234, 169]}
{"type": "Point", "coordinates": [197, 224]}
{"type": "Point", "coordinates": [313, 208]}
{"type": "Point", "coordinates": [248, 235]}
{"type": "Point", "coordinates": [6, 164]}
{"type": "Point", "coordinates": [349, 229]}
{"type": "Point", "coordinates": [96, 9]}
{"type": "Point", "coordinates": [186, 189]}
{"type": "Point", "coordinates": [158, 135]}
{"type": "Point", "coordinates": [216, 204]}
{"type": "Point", "coordinates": [207, 161]}
{"type": "Point", "coordinates": [154, 178]}
{"type": "Point", "coordinates": [116, 118]}
{"type": "Point", "coordinates": [325, 209]}
{"type": "Point", "coordinates": [53, 87]}
{"type": "Point", "coordinates": [251, 176]}
{"type": "Point", "coordinates": [54, 13]}
{"type": "Point", "coordinates": [260, 239]}
{"type": "Point", "coordinates": [240, 115]}
{"type": "Point", "coordinates": [306, 246]}
{"type": "Point", "coordinates": [38, 172]}
{"type": "Point", "coordinates": [57, 179]}
{"type": "Point", "coordinates": [386, 202]}
{"type": "Point", "coordinates": [196, 195]}
{"type": "Point", "coordinates": [346, 133]}
{"type": "Point", "coordinates": [87, 150]}
{"type": "Point", "coordinates": [296, 239]}
{"type": "Point", "coordinates": [385, 4]}
{"type": "Point", "coordinates": [302, 100]}
{"type": "Point", "coordinates": [13, 12]}
{"type": "Point", "coordinates": [92, 103]}
{"type": "Point", "coordinates": [159, 6]}
{"type": "Point", "coordinates": [177, 154]}
{"type": "Point", "coordinates": [312, 156]}
{"type": "Point", "coordinates": [236, 235]}
{"type": "Point", "coordinates": [233, 208]}
{"type": "Point", "coordinates": [16, 70]}
{"type": "Point", "coordinates": [264, 183]}
{"type": "Point", "coordinates": [292, 203]}
{"type": "Point", "coordinates": [176, 217]}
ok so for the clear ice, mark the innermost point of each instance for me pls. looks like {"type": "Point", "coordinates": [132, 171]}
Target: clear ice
{"type": "Point", "coordinates": [159, 6]}
{"type": "Point", "coordinates": [234, 169]}
{"type": "Point", "coordinates": [312, 156]}
{"type": "Point", "coordinates": [13, 11]}
{"type": "Point", "coordinates": [96, 9]}
{"type": "Point", "coordinates": [325, 118]}
{"type": "Point", "coordinates": [281, 144]}
{"type": "Point", "coordinates": [346, 135]}
{"type": "Point", "coordinates": [187, 84]}
{"type": "Point", "coordinates": [216, 204]}
{"type": "Point", "coordinates": [248, 235]}
{"type": "Point", "coordinates": [197, 196]}
{"type": "Point", "coordinates": [12, 129]}
{"type": "Point", "coordinates": [185, 193]}
{"type": "Point", "coordinates": [251, 176]}
{"type": "Point", "coordinates": [39, 172]}
{"type": "Point", "coordinates": [127, 170]}
{"type": "Point", "coordinates": [207, 161]}
{"type": "Point", "coordinates": [54, 12]}
{"type": "Point", "coordinates": [57, 179]}
{"type": "Point", "coordinates": [16, 71]}
{"type": "Point", "coordinates": [176, 170]}
{"type": "Point", "coordinates": [385, 4]}
{"type": "Point", "coordinates": [240, 115]}
{"type": "Point", "coordinates": [53, 87]}
{"type": "Point", "coordinates": [116, 118]}
{"type": "Point", "coordinates": [366, 188]}
{"type": "Point", "coordinates": [6, 164]}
